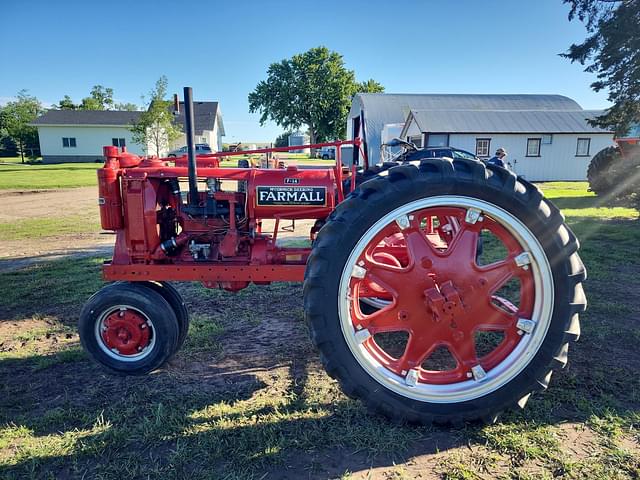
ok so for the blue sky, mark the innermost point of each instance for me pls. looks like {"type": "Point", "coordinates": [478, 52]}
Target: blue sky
{"type": "Point", "coordinates": [223, 48]}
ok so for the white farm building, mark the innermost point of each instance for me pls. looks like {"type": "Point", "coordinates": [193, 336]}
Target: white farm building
{"type": "Point", "coordinates": [79, 135]}
{"type": "Point", "coordinates": [547, 137]}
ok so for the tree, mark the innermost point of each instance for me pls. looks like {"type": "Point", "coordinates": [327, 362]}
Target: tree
{"type": "Point", "coordinates": [126, 106]}
{"type": "Point", "coordinates": [155, 129]}
{"type": "Point", "coordinates": [611, 51]}
{"type": "Point", "coordinates": [370, 86]}
{"type": "Point", "coordinates": [282, 140]}
{"type": "Point", "coordinates": [96, 102]}
{"type": "Point", "coordinates": [100, 98]}
{"type": "Point", "coordinates": [15, 119]}
{"type": "Point", "coordinates": [67, 104]}
{"type": "Point", "coordinates": [311, 89]}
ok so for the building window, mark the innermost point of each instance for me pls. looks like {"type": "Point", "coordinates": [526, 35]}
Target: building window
{"type": "Point", "coordinates": [69, 142]}
{"type": "Point", "coordinates": [583, 146]}
{"type": "Point", "coordinates": [483, 147]}
{"type": "Point", "coordinates": [416, 140]}
{"type": "Point", "coordinates": [547, 139]}
{"type": "Point", "coordinates": [118, 142]}
{"type": "Point", "coordinates": [437, 140]}
{"type": "Point", "coordinates": [533, 147]}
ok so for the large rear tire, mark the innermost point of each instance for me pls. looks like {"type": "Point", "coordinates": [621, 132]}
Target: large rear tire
{"type": "Point", "coordinates": [602, 172]}
{"type": "Point", "coordinates": [382, 242]}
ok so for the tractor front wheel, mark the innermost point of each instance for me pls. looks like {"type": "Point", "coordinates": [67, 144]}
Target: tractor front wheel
{"type": "Point", "coordinates": [420, 323]}
{"type": "Point", "coordinates": [129, 329]}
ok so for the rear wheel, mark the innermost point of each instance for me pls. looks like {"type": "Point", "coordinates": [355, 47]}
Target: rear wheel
{"type": "Point", "coordinates": [602, 173]}
{"type": "Point", "coordinates": [128, 329]}
{"type": "Point", "coordinates": [413, 320]}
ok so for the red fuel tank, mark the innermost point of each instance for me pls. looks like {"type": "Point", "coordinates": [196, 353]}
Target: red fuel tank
{"type": "Point", "coordinates": [110, 199]}
{"type": "Point", "coordinates": [292, 193]}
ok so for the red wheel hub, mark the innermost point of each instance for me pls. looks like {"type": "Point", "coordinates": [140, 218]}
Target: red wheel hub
{"type": "Point", "coordinates": [126, 332]}
{"type": "Point", "coordinates": [439, 294]}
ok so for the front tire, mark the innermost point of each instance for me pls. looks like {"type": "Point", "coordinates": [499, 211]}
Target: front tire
{"type": "Point", "coordinates": [173, 297]}
{"type": "Point", "coordinates": [128, 329]}
{"type": "Point", "coordinates": [382, 242]}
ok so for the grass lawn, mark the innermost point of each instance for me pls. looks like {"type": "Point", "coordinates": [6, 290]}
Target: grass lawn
{"type": "Point", "coordinates": [38, 176]}
{"type": "Point", "coordinates": [246, 397]}
{"type": "Point", "coordinates": [46, 227]}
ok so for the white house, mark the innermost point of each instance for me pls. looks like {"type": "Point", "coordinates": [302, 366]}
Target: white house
{"type": "Point", "coordinates": [79, 135]}
{"type": "Point", "coordinates": [547, 136]}
{"type": "Point", "coordinates": [208, 125]}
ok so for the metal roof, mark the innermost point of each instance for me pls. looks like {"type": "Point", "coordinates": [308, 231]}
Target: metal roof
{"type": "Point", "coordinates": [394, 107]}
{"type": "Point", "coordinates": [87, 117]}
{"type": "Point", "coordinates": [505, 121]}
{"type": "Point", "coordinates": [204, 113]}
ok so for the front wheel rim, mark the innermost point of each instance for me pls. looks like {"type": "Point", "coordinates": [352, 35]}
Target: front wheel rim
{"type": "Point", "coordinates": [125, 333]}
{"type": "Point", "coordinates": [429, 291]}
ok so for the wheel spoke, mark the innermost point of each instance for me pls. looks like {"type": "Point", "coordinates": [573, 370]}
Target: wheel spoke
{"type": "Point", "coordinates": [418, 347]}
{"type": "Point", "coordinates": [465, 244]}
{"type": "Point", "coordinates": [498, 273]}
{"type": "Point", "coordinates": [418, 245]}
{"type": "Point", "coordinates": [491, 317]}
{"type": "Point", "coordinates": [388, 277]}
{"type": "Point", "coordinates": [388, 319]}
{"type": "Point", "coordinates": [463, 348]}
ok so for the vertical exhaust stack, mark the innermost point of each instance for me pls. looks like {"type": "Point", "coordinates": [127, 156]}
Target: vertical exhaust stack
{"type": "Point", "coordinates": [194, 199]}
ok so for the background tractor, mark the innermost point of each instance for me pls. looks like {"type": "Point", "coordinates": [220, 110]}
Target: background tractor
{"type": "Point", "coordinates": [408, 312]}
{"type": "Point", "coordinates": [615, 171]}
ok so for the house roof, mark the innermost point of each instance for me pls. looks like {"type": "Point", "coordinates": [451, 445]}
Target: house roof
{"type": "Point", "coordinates": [205, 115]}
{"type": "Point", "coordinates": [87, 117]}
{"type": "Point", "coordinates": [394, 107]}
{"type": "Point", "coordinates": [504, 121]}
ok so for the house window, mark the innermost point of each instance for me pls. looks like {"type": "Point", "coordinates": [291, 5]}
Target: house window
{"type": "Point", "coordinates": [437, 140]}
{"type": "Point", "coordinates": [483, 147]}
{"type": "Point", "coordinates": [533, 147]}
{"type": "Point", "coordinates": [118, 142]}
{"type": "Point", "coordinates": [416, 140]}
{"type": "Point", "coordinates": [68, 142]}
{"type": "Point", "coordinates": [583, 146]}
{"type": "Point", "coordinates": [547, 139]}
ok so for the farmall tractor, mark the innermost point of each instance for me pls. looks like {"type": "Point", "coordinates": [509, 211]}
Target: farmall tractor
{"type": "Point", "coordinates": [397, 298]}
{"type": "Point", "coordinates": [615, 171]}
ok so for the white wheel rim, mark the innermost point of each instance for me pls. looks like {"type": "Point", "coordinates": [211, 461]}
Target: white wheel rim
{"type": "Point", "coordinates": [100, 325]}
{"type": "Point", "coordinates": [495, 378]}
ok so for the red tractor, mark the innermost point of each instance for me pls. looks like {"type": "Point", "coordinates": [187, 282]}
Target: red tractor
{"type": "Point", "coordinates": [421, 261]}
{"type": "Point", "coordinates": [615, 171]}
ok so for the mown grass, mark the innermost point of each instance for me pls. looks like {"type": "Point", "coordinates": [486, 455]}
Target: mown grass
{"type": "Point", "coordinates": [39, 176]}
{"type": "Point", "coordinates": [44, 227]}
{"type": "Point", "coordinates": [61, 417]}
